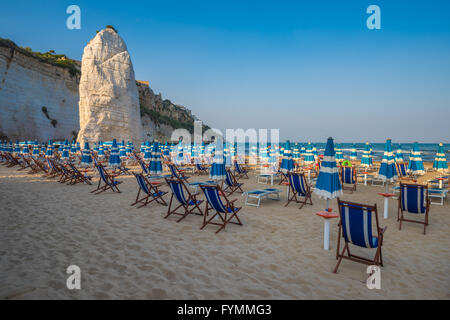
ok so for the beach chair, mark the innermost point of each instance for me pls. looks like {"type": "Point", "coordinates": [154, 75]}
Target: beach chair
{"type": "Point", "coordinates": [150, 191]}
{"type": "Point", "coordinates": [225, 210]}
{"type": "Point", "coordinates": [348, 177]}
{"type": "Point", "coordinates": [200, 169]}
{"type": "Point", "coordinates": [241, 173]}
{"type": "Point", "coordinates": [231, 183]}
{"type": "Point", "coordinates": [77, 176]}
{"type": "Point", "coordinates": [413, 199]}
{"type": "Point", "coordinates": [106, 181]}
{"type": "Point", "coordinates": [355, 226]}
{"type": "Point", "coordinates": [298, 187]}
{"type": "Point", "coordinates": [186, 200]}
{"type": "Point", "coordinates": [259, 194]}
{"type": "Point", "coordinates": [66, 175]}
{"type": "Point", "coordinates": [177, 173]}
{"type": "Point", "coordinates": [402, 171]}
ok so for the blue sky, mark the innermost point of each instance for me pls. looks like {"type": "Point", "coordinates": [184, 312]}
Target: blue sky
{"type": "Point", "coordinates": [310, 68]}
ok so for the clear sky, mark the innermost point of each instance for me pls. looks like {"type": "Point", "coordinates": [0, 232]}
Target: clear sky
{"type": "Point", "coordinates": [310, 68]}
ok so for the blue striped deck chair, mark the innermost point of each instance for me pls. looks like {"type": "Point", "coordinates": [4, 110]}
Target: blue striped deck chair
{"type": "Point", "coordinates": [200, 169]}
{"type": "Point", "coordinates": [298, 187]}
{"type": "Point", "coordinates": [231, 183]}
{"type": "Point", "coordinates": [185, 199]}
{"type": "Point", "coordinates": [149, 190]}
{"type": "Point", "coordinates": [108, 180]}
{"type": "Point", "coordinates": [402, 171]}
{"type": "Point", "coordinates": [177, 173]}
{"type": "Point", "coordinates": [66, 175]}
{"type": "Point", "coordinates": [413, 199]}
{"type": "Point", "coordinates": [241, 173]}
{"type": "Point", "coordinates": [348, 177]}
{"type": "Point", "coordinates": [355, 226]}
{"type": "Point", "coordinates": [224, 212]}
{"type": "Point", "coordinates": [77, 176]}
{"type": "Point", "coordinates": [143, 167]}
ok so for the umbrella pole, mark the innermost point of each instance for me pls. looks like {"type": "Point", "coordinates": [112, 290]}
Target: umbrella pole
{"type": "Point", "coordinates": [328, 200]}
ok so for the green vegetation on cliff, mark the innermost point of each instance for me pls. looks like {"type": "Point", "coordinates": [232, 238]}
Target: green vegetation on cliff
{"type": "Point", "coordinates": [49, 57]}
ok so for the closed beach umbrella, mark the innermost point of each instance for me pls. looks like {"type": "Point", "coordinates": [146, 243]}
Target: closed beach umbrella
{"type": "Point", "coordinates": [86, 158]}
{"type": "Point", "coordinates": [73, 147]}
{"type": "Point", "coordinates": [227, 155]}
{"type": "Point", "coordinates": [147, 152]}
{"type": "Point", "coordinates": [303, 151]}
{"type": "Point", "coordinates": [415, 165]}
{"type": "Point", "coordinates": [25, 150]}
{"type": "Point", "coordinates": [309, 156]}
{"type": "Point", "coordinates": [328, 184]}
{"type": "Point", "coordinates": [17, 148]}
{"type": "Point", "coordinates": [399, 154]}
{"type": "Point", "coordinates": [155, 166]}
{"type": "Point", "coordinates": [440, 162]}
{"type": "Point", "coordinates": [122, 151]}
{"type": "Point", "coordinates": [65, 152]}
{"type": "Point", "coordinates": [101, 150]}
{"type": "Point", "coordinates": [78, 146]}
{"type": "Point", "coordinates": [388, 172]}
{"type": "Point", "coordinates": [287, 163]}
{"type": "Point", "coordinates": [49, 152]}
{"type": "Point", "coordinates": [315, 153]}
{"type": "Point", "coordinates": [36, 149]}
{"type": "Point", "coordinates": [339, 155]}
{"type": "Point", "coordinates": [217, 171]}
{"type": "Point", "coordinates": [366, 160]}
{"type": "Point", "coordinates": [114, 159]}
{"type": "Point", "coordinates": [296, 152]}
{"type": "Point", "coordinates": [353, 153]}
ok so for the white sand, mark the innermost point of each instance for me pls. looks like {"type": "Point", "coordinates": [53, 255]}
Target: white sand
{"type": "Point", "coordinates": [130, 253]}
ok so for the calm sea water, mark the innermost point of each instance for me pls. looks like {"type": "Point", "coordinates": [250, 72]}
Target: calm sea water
{"type": "Point", "coordinates": [428, 150]}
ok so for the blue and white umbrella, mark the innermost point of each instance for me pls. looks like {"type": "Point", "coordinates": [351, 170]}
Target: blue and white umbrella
{"type": "Point", "coordinates": [440, 162]}
{"type": "Point", "coordinates": [122, 151]}
{"type": "Point", "coordinates": [129, 149]}
{"type": "Point", "coordinates": [86, 158]}
{"type": "Point", "coordinates": [328, 185]}
{"type": "Point", "coordinates": [36, 149]}
{"type": "Point", "coordinates": [353, 153]}
{"type": "Point", "coordinates": [366, 160]}
{"type": "Point", "coordinates": [315, 152]}
{"type": "Point", "coordinates": [49, 152]}
{"type": "Point", "coordinates": [101, 150]}
{"type": "Point", "coordinates": [388, 172]}
{"type": "Point", "coordinates": [309, 156]}
{"type": "Point", "coordinates": [303, 151]}
{"type": "Point", "coordinates": [399, 154]}
{"type": "Point", "coordinates": [155, 166]}
{"type": "Point", "coordinates": [218, 171]}
{"type": "Point", "coordinates": [287, 163]}
{"type": "Point", "coordinates": [147, 152]}
{"type": "Point", "coordinates": [227, 155]}
{"type": "Point", "coordinates": [25, 150]}
{"type": "Point", "coordinates": [73, 147]}
{"type": "Point", "coordinates": [339, 154]}
{"type": "Point", "coordinates": [65, 150]}
{"type": "Point", "coordinates": [114, 159]}
{"type": "Point", "coordinates": [17, 148]}
{"type": "Point", "coordinates": [78, 147]}
{"type": "Point", "coordinates": [415, 165]}
{"type": "Point", "coordinates": [143, 148]}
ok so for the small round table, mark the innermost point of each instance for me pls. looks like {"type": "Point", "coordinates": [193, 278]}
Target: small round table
{"type": "Point", "coordinates": [326, 226]}
{"type": "Point", "coordinates": [386, 202]}
{"type": "Point", "coordinates": [365, 177]}
{"type": "Point", "coordinates": [440, 182]}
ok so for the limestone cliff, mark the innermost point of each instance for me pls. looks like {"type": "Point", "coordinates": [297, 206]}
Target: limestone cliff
{"type": "Point", "coordinates": [39, 99]}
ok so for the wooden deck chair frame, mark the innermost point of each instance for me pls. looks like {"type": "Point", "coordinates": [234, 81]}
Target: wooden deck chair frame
{"type": "Point", "coordinates": [108, 180]}
{"type": "Point", "coordinates": [200, 169]}
{"type": "Point", "coordinates": [232, 185]}
{"type": "Point", "coordinates": [150, 191]}
{"type": "Point", "coordinates": [345, 253]}
{"type": "Point", "coordinates": [241, 172]}
{"type": "Point", "coordinates": [352, 188]}
{"type": "Point", "coordinates": [228, 211]}
{"type": "Point", "coordinates": [78, 177]}
{"type": "Point", "coordinates": [190, 205]}
{"type": "Point", "coordinates": [294, 194]}
{"type": "Point", "coordinates": [426, 204]}
{"type": "Point", "coordinates": [401, 175]}
{"type": "Point", "coordinates": [41, 165]}
{"type": "Point", "coordinates": [177, 173]}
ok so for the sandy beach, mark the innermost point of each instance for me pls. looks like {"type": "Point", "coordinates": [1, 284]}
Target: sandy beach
{"type": "Point", "coordinates": [130, 253]}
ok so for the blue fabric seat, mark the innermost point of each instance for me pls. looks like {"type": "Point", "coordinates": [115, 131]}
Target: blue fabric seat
{"type": "Point", "coordinates": [298, 187]}
{"type": "Point", "coordinates": [185, 199]}
{"type": "Point", "coordinates": [413, 199]}
{"type": "Point", "coordinates": [355, 227]}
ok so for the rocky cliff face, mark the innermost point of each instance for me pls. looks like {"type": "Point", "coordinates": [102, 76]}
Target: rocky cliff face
{"type": "Point", "coordinates": [109, 100]}
{"type": "Point", "coordinates": [39, 100]}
